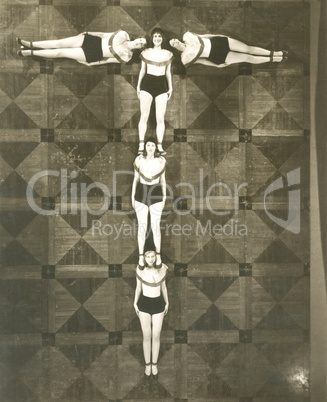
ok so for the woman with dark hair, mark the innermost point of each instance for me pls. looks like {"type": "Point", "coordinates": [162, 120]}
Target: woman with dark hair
{"type": "Point", "coordinates": [89, 48]}
{"type": "Point", "coordinates": [221, 51]}
{"type": "Point", "coordinates": [155, 82]}
{"type": "Point", "coordinates": [149, 195]}
{"type": "Point", "coordinates": [151, 305]}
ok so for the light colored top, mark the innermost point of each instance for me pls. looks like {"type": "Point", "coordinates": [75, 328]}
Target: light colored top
{"type": "Point", "coordinates": [159, 59]}
{"type": "Point", "coordinates": [194, 47]}
{"type": "Point", "coordinates": [150, 170]}
{"type": "Point", "coordinates": [151, 280]}
{"type": "Point", "coordinates": [118, 46]}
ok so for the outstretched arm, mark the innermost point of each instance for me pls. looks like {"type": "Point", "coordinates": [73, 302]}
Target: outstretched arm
{"type": "Point", "coordinates": [169, 80]}
{"type": "Point", "coordinates": [141, 75]}
{"type": "Point", "coordinates": [163, 187]}
{"type": "Point", "coordinates": [165, 296]}
{"type": "Point", "coordinates": [135, 182]}
{"type": "Point", "coordinates": [138, 290]}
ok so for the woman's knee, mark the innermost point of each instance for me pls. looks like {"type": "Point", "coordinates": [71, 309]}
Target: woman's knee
{"type": "Point", "coordinates": [156, 336]}
{"type": "Point", "coordinates": [160, 119]}
{"type": "Point", "coordinates": [147, 336]}
{"type": "Point", "coordinates": [144, 117]}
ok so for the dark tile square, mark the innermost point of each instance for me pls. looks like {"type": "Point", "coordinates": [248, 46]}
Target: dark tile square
{"type": "Point", "coordinates": [306, 269]}
{"type": "Point", "coordinates": [113, 69]}
{"type": "Point", "coordinates": [306, 68]}
{"type": "Point", "coordinates": [179, 3]}
{"type": "Point", "coordinates": [48, 339]}
{"type": "Point", "coordinates": [306, 335]}
{"type": "Point", "coordinates": [180, 270]}
{"type": "Point", "coordinates": [115, 338]}
{"type": "Point", "coordinates": [113, 2]}
{"type": "Point", "coordinates": [244, 69]}
{"type": "Point", "coordinates": [245, 4]}
{"type": "Point", "coordinates": [115, 270]}
{"type": "Point", "coordinates": [305, 204]}
{"type": "Point", "coordinates": [245, 135]}
{"type": "Point", "coordinates": [245, 336]}
{"type": "Point", "coordinates": [180, 203]}
{"type": "Point", "coordinates": [180, 135]}
{"type": "Point", "coordinates": [47, 135]}
{"type": "Point", "coordinates": [48, 203]}
{"type": "Point", "coordinates": [245, 269]}
{"type": "Point", "coordinates": [306, 133]}
{"type": "Point", "coordinates": [115, 203]}
{"type": "Point", "coordinates": [48, 271]}
{"type": "Point", "coordinates": [46, 66]}
{"type": "Point", "coordinates": [114, 135]}
{"type": "Point", "coordinates": [245, 203]}
{"type": "Point", "coordinates": [181, 336]}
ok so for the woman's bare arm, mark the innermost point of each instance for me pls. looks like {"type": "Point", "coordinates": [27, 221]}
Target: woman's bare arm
{"type": "Point", "coordinates": [169, 80]}
{"type": "Point", "coordinates": [141, 75]}
{"type": "Point", "coordinates": [165, 295]}
{"type": "Point", "coordinates": [138, 290]}
{"type": "Point", "coordinates": [135, 182]}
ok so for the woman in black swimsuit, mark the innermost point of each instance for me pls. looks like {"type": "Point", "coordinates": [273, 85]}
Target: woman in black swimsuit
{"type": "Point", "coordinates": [149, 195]}
{"type": "Point", "coordinates": [151, 305]}
{"type": "Point", "coordinates": [155, 82]}
{"type": "Point", "coordinates": [221, 51]}
{"type": "Point", "coordinates": [89, 48]}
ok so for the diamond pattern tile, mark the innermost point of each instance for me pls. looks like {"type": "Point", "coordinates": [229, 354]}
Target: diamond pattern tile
{"type": "Point", "coordinates": [238, 322]}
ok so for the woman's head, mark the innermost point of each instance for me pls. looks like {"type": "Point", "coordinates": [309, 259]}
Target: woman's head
{"type": "Point", "coordinates": [150, 258]}
{"type": "Point", "coordinates": [138, 43]}
{"type": "Point", "coordinates": [150, 146]}
{"type": "Point", "coordinates": [157, 36]}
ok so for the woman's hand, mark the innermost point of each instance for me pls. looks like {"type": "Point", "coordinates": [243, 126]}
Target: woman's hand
{"type": "Point", "coordinates": [133, 202]}
{"type": "Point", "coordinates": [137, 311]}
{"type": "Point", "coordinates": [166, 308]}
{"type": "Point", "coordinates": [169, 93]}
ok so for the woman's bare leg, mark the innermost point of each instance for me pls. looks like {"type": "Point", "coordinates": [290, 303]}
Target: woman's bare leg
{"type": "Point", "coordinates": [238, 46]}
{"type": "Point", "coordinates": [145, 320]}
{"type": "Point", "coordinates": [71, 42]}
{"type": "Point", "coordinates": [155, 216]}
{"type": "Point", "coordinates": [161, 105]}
{"type": "Point", "coordinates": [157, 320]}
{"type": "Point", "coordinates": [142, 219]}
{"type": "Point", "coordinates": [74, 54]}
{"type": "Point", "coordinates": [145, 107]}
{"type": "Point", "coordinates": [233, 58]}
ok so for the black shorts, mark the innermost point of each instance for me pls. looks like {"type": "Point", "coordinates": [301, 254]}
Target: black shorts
{"type": "Point", "coordinates": [151, 305]}
{"type": "Point", "coordinates": [148, 194]}
{"type": "Point", "coordinates": [155, 85]}
{"type": "Point", "coordinates": [219, 49]}
{"type": "Point", "coordinates": [92, 47]}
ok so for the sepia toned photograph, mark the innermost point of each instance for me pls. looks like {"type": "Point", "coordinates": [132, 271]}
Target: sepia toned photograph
{"type": "Point", "coordinates": [163, 201]}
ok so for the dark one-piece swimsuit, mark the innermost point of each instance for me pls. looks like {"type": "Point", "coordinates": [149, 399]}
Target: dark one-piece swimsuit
{"type": "Point", "coordinates": [219, 49]}
{"type": "Point", "coordinates": [92, 48]}
{"type": "Point", "coordinates": [148, 194]}
{"type": "Point", "coordinates": [155, 85]}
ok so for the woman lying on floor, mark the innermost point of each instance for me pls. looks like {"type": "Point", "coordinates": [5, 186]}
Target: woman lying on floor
{"type": "Point", "coordinates": [89, 48]}
{"type": "Point", "coordinates": [221, 51]}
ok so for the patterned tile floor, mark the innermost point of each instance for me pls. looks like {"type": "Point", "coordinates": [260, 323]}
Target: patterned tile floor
{"type": "Point", "coordinates": [238, 326]}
